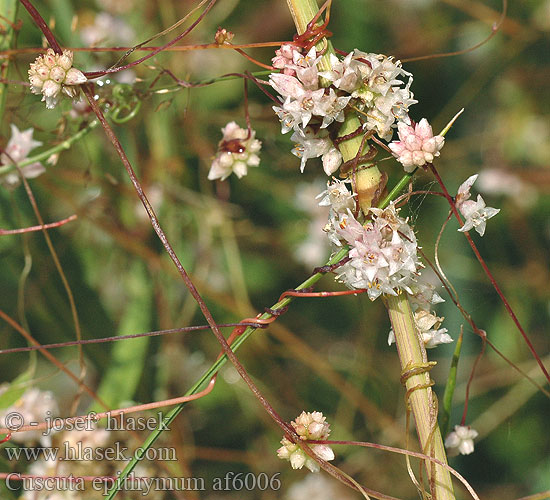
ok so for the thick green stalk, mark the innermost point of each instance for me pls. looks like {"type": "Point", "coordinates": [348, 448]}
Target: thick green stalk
{"type": "Point", "coordinates": [369, 182]}
{"type": "Point", "coordinates": [415, 375]}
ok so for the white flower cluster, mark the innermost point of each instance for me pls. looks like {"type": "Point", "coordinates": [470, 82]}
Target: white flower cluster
{"type": "Point", "coordinates": [383, 252]}
{"type": "Point", "coordinates": [373, 80]}
{"type": "Point", "coordinates": [338, 198]}
{"type": "Point", "coordinates": [368, 82]}
{"type": "Point", "coordinates": [428, 325]}
{"type": "Point", "coordinates": [52, 73]}
{"type": "Point", "coordinates": [17, 150]}
{"type": "Point", "coordinates": [309, 426]}
{"type": "Point", "coordinates": [236, 152]}
{"type": "Point", "coordinates": [476, 213]}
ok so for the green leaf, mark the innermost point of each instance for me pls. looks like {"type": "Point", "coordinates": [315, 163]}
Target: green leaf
{"type": "Point", "coordinates": [450, 389]}
{"type": "Point", "coordinates": [16, 389]}
{"type": "Point", "coordinates": [128, 357]}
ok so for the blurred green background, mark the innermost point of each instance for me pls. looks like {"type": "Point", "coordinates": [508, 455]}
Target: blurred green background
{"type": "Point", "coordinates": [246, 241]}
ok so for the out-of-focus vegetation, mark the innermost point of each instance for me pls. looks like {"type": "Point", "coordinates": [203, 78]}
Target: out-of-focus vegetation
{"type": "Point", "coordinates": [245, 241]}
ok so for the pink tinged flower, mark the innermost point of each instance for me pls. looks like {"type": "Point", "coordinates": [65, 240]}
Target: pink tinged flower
{"type": "Point", "coordinates": [286, 85]}
{"type": "Point", "coordinates": [343, 74]}
{"type": "Point", "coordinates": [475, 213]}
{"type": "Point", "coordinates": [19, 146]}
{"type": "Point", "coordinates": [74, 77]}
{"type": "Point", "coordinates": [417, 145]}
{"type": "Point", "coordinates": [311, 426]}
{"type": "Point", "coordinates": [383, 252]}
{"type": "Point", "coordinates": [306, 68]}
{"type": "Point", "coordinates": [285, 57]}
{"type": "Point", "coordinates": [236, 152]}
{"type": "Point", "coordinates": [461, 440]}
{"type": "Point", "coordinates": [17, 150]}
{"type": "Point", "coordinates": [299, 102]}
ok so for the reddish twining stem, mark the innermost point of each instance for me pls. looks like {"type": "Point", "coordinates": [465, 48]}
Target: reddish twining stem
{"type": "Point", "coordinates": [51, 225]}
{"type": "Point", "coordinates": [489, 274]}
{"type": "Point", "coordinates": [44, 28]}
{"type": "Point", "coordinates": [88, 91]}
{"type": "Point", "coordinates": [96, 74]}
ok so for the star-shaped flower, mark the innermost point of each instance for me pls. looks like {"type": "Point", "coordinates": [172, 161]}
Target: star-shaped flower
{"type": "Point", "coordinates": [476, 213]}
{"type": "Point", "coordinates": [461, 439]}
{"type": "Point", "coordinates": [17, 150]}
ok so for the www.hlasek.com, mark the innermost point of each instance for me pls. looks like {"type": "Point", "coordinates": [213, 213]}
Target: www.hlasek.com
{"type": "Point", "coordinates": [232, 481]}
{"type": "Point", "coordinates": [77, 452]}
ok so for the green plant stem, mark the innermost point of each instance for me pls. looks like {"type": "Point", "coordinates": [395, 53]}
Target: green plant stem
{"type": "Point", "coordinates": [205, 378]}
{"type": "Point", "coordinates": [351, 124]}
{"type": "Point", "coordinates": [368, 182]}
{"type": "Point", "coordinates": [450, 389]}
{"type": "Point", "coordinates": [62, 146]}
{"type": "Point", "coordinates": [415, 375]}
{"type": "Point", "coordinates": [8, 11]}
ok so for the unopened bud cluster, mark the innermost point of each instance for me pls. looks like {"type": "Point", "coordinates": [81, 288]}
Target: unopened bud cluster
{"type": "Point", "coordinates": [309, 426]}
{"type": "Point", "coordinates": [52, 74]}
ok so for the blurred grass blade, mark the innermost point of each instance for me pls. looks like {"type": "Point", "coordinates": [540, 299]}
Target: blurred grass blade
{"type": "Point", "coordinates": [8, 13]}
{"type": "Point", "coordinates": [128, 358]}
{"type": "Point", "coordinates": [16, 389]}
{"type": "Point", "coordinates": [450, 389]}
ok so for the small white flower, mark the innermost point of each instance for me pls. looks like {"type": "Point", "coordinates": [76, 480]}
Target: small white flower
{"type": "Point", "coordinates": [309, 426]}
{"type": "Point", "coordinates": [300, 102]}
{"type": "Point", "coordinates": [337, 196]}
{"type": "Point", "coordinates": [331, 108]}
{"type": "Point", "coordinates": [432, 338]}
{"type": "Point", "coordinates": [107, 29]}
{"type": "Point", "coordinates": [53, 73]}
{"type": "Point", "coordinates": [236, 152]}
{"type": "Point", "coordinates": [476, 213]}
{"type": "Point", "coordinates": [310, 145]}
{"type": "Point", "coordinates": [17, 150]}
{"type": "Point", "coordinates": [428, 326]}
{"type": "Point", "coordinates": [332, 160]}
{"type": "Point", "coordinates": [344, 74]}
{"type": "Point", "coordinates": [417, 145]}
{"type": "Point", "coordinates": [461, 440]}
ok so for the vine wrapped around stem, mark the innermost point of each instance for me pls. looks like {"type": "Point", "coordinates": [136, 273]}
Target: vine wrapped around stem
{"type": "Point", "coordinates": [369, 183]}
